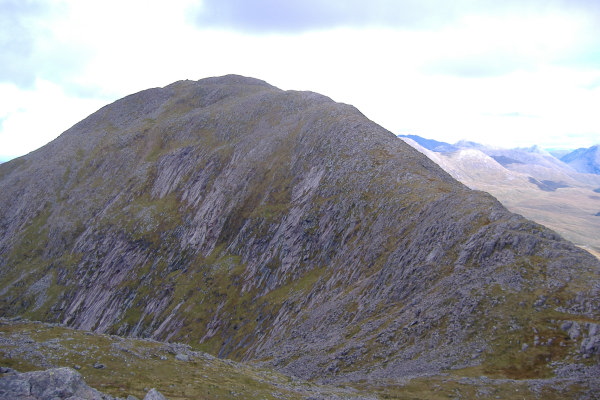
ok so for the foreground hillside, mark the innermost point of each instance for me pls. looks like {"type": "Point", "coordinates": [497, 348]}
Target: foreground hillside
{"type": "Point", "coordinates": [284, 228]}
{"type": "Point", "coordinates": [121, 367]}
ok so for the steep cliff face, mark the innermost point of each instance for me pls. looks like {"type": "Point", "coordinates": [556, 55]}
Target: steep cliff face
{"type": "Point", "coordinates": [260, 224]}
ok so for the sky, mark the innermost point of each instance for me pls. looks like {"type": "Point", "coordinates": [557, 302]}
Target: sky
{"type": "Point", "coordinates": [510, 73]}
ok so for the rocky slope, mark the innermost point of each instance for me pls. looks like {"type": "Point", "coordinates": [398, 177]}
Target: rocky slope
{"type": "Point", "coordinates": [280, 226]}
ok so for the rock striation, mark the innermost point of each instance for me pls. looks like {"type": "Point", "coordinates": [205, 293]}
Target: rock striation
{"type": "Point", "coordinates": [283, 227]}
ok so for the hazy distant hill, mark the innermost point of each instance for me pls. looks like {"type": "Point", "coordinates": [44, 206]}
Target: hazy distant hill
{"type": "Point", "coordinates": [584, 160]}
{"type": "Point", "coordinates": [531, 182]}
{"type": "Point", "coordinates": [431, 144]}
{"type": "Point", "coordinates": [286, 229]}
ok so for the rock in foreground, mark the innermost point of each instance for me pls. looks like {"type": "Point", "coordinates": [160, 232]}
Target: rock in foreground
{"type": "Point", "coordinates": [56, 383]}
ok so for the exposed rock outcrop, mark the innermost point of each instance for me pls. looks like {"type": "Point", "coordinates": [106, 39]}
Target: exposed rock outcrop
{"type": "Point", "coordinates": [56, 383]}
{"type": "Point", "coordinates": [154, 394]}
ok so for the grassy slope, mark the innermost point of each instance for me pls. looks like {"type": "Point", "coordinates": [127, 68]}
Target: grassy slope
{"type": "Point", "coordinates": [134, 366]}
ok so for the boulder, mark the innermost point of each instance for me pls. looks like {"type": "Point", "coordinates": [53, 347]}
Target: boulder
{"type": "Point", "coordinates": [52, 384]}
{"type": "Point", "coordinates": [154, 394]}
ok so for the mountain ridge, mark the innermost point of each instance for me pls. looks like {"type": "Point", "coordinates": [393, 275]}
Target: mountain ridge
{"type": "Point", "coordinates": [282, 227]}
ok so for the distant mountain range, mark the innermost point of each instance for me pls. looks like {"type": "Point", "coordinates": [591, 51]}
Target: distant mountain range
{"type": "Point", "coordinates": [583, 160]}
{"type": "Point", "coordinates": [433, 145]}
{"type": "Point", "coordinates": [559, 193]}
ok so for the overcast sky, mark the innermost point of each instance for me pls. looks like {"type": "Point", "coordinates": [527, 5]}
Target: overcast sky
{"type": "Point", "coordinates": [506, 73]}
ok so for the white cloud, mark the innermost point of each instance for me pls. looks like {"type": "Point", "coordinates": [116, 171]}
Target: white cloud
{"type": "Point", "coordinates": [34, 117]}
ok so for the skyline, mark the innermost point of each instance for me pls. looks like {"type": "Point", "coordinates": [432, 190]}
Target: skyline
{"type": "Point", "coordinates": [514, 74]}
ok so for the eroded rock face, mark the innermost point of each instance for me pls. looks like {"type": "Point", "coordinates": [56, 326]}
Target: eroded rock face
{"type": "Point", "coordinates": [278, 226]}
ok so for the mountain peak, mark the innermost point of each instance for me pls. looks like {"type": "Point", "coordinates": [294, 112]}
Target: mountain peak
{"type": "Point", "coordinates": [280, 226]}
{"type": "Point", "coordinates": [233, 79]}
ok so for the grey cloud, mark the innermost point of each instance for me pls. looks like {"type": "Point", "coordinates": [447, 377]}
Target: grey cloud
{"type": "Point", "coordinates": [23, 58]}
{"type": "Point", "coordinates": [292, 16]}
{"type": "Point", "coordinates": [265, 16]}
{"type": "Point", "coordinates": [17, 41]}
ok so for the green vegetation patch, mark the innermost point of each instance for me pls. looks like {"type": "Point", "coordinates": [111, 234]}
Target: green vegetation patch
{"type": "Point", "coordinates": [526, 337]}
{"type": "Point", "coordinates": [460, 385]}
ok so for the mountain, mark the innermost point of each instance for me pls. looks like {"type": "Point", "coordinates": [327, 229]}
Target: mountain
{"type": "Point", "coordinates": [285, 229]}
{"type": "Point", "coordinates": [431, 144]}
{"type": "Point", "coordinates": [468, 165]}
{"type": "Point", "coordinates": [467, 144]}
{"type": "Point", "coordinates": [528, 160]}
{"type": "Point", "coordinates": [536, 162]}
{"type": "Point", "coordinates": [584, 160]}
{"type": "Point", "coordinates": [559, 153]}
{"type": "Point", "coordinates": [533, 160]}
